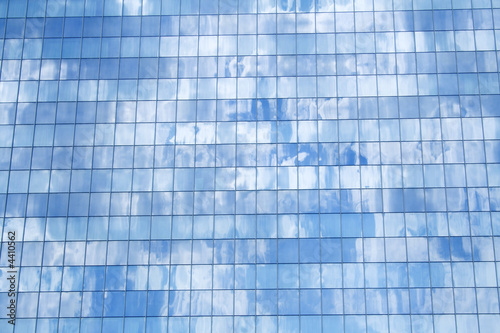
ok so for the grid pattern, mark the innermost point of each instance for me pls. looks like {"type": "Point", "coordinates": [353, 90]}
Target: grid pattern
{"type": "Point", "coordinates": [251, 166]}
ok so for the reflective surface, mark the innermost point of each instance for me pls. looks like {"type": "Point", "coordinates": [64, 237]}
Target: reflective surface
{"type": "Point", "coordinates": [251, 165]}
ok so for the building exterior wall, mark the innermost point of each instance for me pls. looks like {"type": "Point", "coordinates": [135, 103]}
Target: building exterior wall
{"type": "Point", "coordinates": [250, 166]}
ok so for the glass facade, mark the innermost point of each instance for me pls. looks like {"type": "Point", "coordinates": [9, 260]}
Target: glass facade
{"type": "Point", "coordinates": [250, 165]}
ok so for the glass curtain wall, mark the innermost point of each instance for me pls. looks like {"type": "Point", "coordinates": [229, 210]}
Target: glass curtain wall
{"type": "Point", "coordinates": [250, 166]}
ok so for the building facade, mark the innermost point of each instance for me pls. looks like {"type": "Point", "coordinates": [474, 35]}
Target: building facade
{"type": "Point", "coordinates": [250, 166]}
